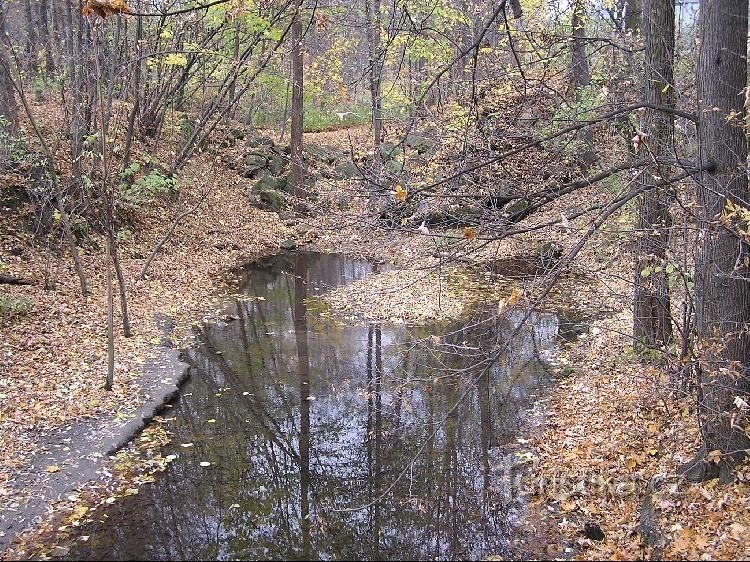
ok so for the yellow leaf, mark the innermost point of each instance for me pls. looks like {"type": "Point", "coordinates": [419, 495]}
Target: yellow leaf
{"type": "Point", "coordinates": [52, 468]}
{"type": "Point", "coordinates": [514, 296]}
{"type": "Point", "coordinates": [470, 234]}
{"type": "Point", "coordinates": [79, 512]}
{"type": "Point", "coordinates": [399, 193]}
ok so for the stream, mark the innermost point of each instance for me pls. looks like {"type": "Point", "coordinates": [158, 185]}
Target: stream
{"type": "Point", "coordinates": [329, 440]}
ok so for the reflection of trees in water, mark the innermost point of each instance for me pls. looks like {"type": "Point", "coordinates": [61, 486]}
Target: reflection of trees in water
{"type": "Point", "coordinates": [293, 464]}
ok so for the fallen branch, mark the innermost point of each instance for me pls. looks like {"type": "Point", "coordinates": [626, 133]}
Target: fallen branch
{"type": "Point", "coordinates": [13, 280]}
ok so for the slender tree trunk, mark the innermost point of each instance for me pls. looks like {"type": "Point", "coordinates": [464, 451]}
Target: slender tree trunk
{"type": "Point", "coordinates": [8, 103]}
{"type": "Point", "coordinates": [110, 318]}
{"type": "Point", "coordinates": [652, 324]}
{"type": "Point", "coordinates": [722, 284]}
{"type": "Point", "coordinates": [375, 64]}
{"type": "Point", "coordinates": [126, 331]}
{"type": "Point", "coordinates": [31, 36]}
{"type": "Point", "coordinates": [580, 76]}
{"type": "Point", "coordinates": [297, 168]}
{"type": "Point", "coordinates": [44, 29]}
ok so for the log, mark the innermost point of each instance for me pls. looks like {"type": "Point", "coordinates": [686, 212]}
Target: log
{"type": "Point", "coordinates": [13, 280]}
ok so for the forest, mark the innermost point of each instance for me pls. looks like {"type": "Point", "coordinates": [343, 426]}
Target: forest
{"type": "Point", "coordinates": [368, 279]}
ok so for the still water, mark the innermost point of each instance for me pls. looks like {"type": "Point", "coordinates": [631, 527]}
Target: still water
{"type": "Point", "coordinates": [333, 441]}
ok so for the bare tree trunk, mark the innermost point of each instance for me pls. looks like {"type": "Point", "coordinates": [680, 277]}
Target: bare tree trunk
{"type": "Point", "coordinates": [31, 37]}
{"type": "Point", "coordinates": [580, 76]}
{"type": "Point", "coordinates": [297, 169]}
{"type": "Point", "coordinates": [44, 29]}
{"type": "Point", "coordinates": [121, 285]}
{"type": "Point", "coordinates": [110, 319]}
{"type": "Point", "coordinates": [375, 64]}
{"type": "Point", "coordinates": [722, 285]}
{"type": "Point", "coordinates": [652, 325]}
{"type": "Point", "coordinates": [8, 103]}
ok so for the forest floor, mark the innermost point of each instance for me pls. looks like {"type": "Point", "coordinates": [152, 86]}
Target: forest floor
{"type": "Point", "coordinates": [601, 449]}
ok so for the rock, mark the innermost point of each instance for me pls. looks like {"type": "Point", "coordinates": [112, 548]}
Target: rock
{"type": "Point", "coordinates": [269, 200]}
{"type": "Point", "coordinates": [315, 152]}
{"type": "Point", "coordinates": [389, 151]}
{"type": "Point", "coordinates": [277, 164]}
{"type": "Point", "coordinates": [419, 143]}
{"type": "Point", "coordinates": [548, 254]}
{"type": "Point", "coordinates": [345, 171]}
{"type": "Point", "coordinates": [394, 167]}
{"type": "Point", "coordinates": [517, 206]}
{"type": "Point", "coordinates": [252, 164]}
{"type": "Point", "coordinates": [289, 245]}
{"type": "Point", "coordinates": [259, 142]}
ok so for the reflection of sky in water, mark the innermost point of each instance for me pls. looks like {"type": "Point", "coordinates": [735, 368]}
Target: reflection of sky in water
{"type": "Point", "coordinates": [286, 468]}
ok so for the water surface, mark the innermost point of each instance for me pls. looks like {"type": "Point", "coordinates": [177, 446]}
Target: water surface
{"type": "Point", "coordinates": [333, 441]}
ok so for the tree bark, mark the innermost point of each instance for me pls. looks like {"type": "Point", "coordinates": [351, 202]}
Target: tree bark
{"type": "Point", "coordinates": [297, 169]}
{"type": "Point", "coordinates": [44, 28]}
{"type": "Point", "coordinates": [580, 76]}
{"type": "Point", "coordinates": [110, 319]}
{"type": "Point", "coordinates": [722, 286]}
{"type": "Point", "coordinates": [8, 103]}
{"type": "Point", "coordinates": [652, 324]}
{"type": "Point", "coordinates": [374, 17]}
{"type": "Point", "coordinates": [31, 37]}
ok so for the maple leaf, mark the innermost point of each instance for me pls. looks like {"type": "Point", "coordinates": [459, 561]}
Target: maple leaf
{"type": "Point", "coordinates": [104, 8]}
{"type": "Point", "coordinates": [470, 233]}
{"type": "Point", "coordinates": [399, 193]}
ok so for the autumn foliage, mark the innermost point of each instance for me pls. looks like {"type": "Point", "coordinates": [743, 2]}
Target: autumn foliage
{"type": "Point", "coordinates": [104, 8]}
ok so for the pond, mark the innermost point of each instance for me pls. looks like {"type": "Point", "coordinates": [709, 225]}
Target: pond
{"type": "Point", "coordinates": [332, 440]}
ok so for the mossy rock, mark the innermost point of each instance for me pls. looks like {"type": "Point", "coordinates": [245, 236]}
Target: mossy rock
{"type": "Point", "coordinates": [345, 171]}
{"type": "Point", "coordinates": [270, 200]}
{"type": "Point", "coordinates": [315, 152]}
{"type": "Point", "coordinates": [277, 164]}
{"type": "Point", "coordinates": [517, 207]}
{"type": "Point", "coordinates": [389, 151]}
{"type": "Point", "coordinates": [548, 254]}
{"type": "Point", "coordinates": [260, 142]}
{"type": "Point", "coordinates": [266, 181]}
{"type": "Point", "coordinates": [253, 162]}
{"type": "Point", "coordinates": [394, 167]}
{"type": "Point", "coordinates": [418, 142]}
